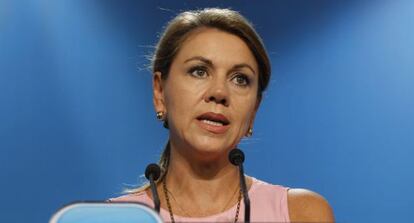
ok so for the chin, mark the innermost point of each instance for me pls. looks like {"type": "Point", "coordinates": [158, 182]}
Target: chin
{"type": "Point", "coordinates": [207, 145]}
{"type": "Point", "coordinates": [211, 147]}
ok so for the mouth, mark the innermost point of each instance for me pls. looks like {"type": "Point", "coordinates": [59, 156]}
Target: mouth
{"type": "Point", "coordinates": [214, 119]}
{"type": "Point", "coordinates": [213, 122]}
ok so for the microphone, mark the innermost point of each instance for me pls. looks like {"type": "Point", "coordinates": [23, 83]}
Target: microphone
{"type": "Point", "coordinates": [236, 157]}
{"type": "Point", "coordinates": [152, 173]}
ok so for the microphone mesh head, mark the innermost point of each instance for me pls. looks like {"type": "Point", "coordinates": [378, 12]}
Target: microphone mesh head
{"type": "Point", "coordinates": [153, 169]}
{"type": "Point", "coordinates": [236, 157]}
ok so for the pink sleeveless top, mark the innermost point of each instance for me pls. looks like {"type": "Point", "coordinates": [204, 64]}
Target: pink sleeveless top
{"type": "Point", "coordinates": [268, 203]}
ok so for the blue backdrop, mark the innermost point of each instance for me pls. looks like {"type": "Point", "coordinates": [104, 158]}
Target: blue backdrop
{"type": "Point", "coordinates": [77, 122]}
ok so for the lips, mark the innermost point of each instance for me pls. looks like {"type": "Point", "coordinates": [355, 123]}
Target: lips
{"type": "Point", "coordinates": [214, 117]}
{"type": "Point", "coordinates": [213, 122]}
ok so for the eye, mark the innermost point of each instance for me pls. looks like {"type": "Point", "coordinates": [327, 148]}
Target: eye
{"type": "Point", "coordinates": [241, 80]}
{"type": "Point", "coordinates": [198, 71]}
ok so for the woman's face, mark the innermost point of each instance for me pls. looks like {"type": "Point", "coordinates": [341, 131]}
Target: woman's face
{"type": "Point", "coordinates": [210, 95]}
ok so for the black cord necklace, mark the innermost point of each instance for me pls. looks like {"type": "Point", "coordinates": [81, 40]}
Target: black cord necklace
{"type": "Point", "coordinates": [167, 198]}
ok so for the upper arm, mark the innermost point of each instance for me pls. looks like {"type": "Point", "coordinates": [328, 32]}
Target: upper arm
{"type": "Point", "coordinates": [308, 206]}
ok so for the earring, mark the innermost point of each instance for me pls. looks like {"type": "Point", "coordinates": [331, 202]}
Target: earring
{"type": "Point", "coordinates": [160, 115]}
{"type": "Point", "coordinates": [249, 132]}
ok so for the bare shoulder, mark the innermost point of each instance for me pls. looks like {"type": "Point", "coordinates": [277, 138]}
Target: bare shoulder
{"type": "Point", "coordinates": [308, 206]}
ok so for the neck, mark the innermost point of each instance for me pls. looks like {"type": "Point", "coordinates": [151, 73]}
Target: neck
{"type": "Point", "coordinates": [194, 184]}
{"type": "Point", "coordinates": [190, 177]}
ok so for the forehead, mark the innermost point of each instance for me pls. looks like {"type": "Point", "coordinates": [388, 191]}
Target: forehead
{"type": "Point", "coordinates": [218, 46]}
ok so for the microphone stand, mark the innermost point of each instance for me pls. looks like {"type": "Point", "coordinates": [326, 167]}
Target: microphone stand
{"type": "Point", "coordinates": [236, 157]}
{"type": "Point", "coordinates": [152, 173]}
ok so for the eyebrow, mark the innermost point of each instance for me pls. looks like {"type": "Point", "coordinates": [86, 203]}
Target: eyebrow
{"type": "Point", "coordinates": [210, 63]}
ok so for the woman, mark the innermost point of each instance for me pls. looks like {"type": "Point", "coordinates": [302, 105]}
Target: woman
{"type": "Point", "coordinates": [210, 69]}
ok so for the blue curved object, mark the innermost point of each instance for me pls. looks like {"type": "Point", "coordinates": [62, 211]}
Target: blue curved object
{"type": "Point", "coordinates": [102, 212]}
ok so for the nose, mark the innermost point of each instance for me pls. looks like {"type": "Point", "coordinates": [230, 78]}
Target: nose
{"type": "Point", "coordinates": [218, 93]}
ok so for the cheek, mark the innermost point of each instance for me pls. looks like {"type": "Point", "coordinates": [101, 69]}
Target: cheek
{"type": "Point", "coordinates": [244, 110]}
{"type": "Point", "coordinates": [181, 100]}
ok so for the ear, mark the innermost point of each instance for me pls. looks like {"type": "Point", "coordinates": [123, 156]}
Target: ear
{"type": "Point", "coordinates": [158, 92]}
